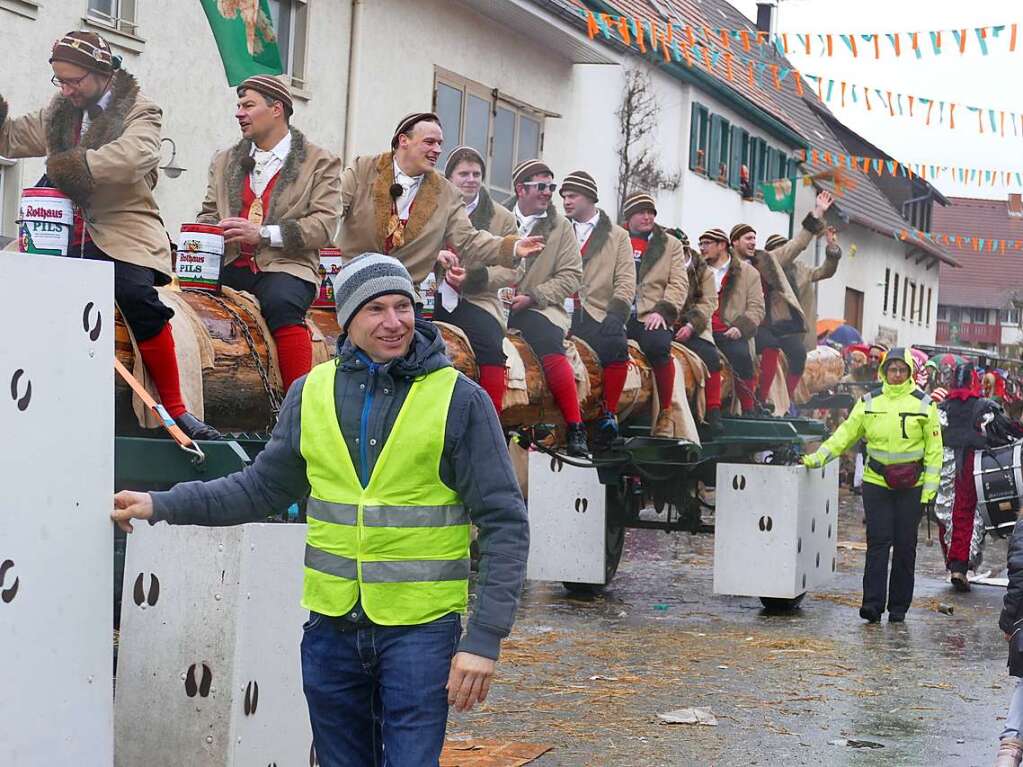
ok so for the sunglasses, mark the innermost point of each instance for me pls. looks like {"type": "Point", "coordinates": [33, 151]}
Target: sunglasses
{"type": "Point", "coordinates": [542, 186]}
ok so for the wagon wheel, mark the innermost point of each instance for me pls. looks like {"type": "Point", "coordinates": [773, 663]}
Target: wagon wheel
{"type": "Point", "coordinates": [618, 502]}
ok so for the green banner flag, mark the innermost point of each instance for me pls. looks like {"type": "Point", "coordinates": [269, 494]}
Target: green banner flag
{"type": "Point", "coordinates": [779, 195]}
{"type": "Point", "coordinates": [245, 38]}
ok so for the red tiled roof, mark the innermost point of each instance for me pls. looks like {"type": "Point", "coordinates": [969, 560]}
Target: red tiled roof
{"type": "Point", "coordinates": [987, 279]}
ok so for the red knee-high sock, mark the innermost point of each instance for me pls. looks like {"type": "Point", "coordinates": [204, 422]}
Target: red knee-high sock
{"type": "Point", "coordinates": [294, 352]}
{"type": "Point", "coordinates": [768, 370]}
{"type": "Point", "coordinates": [665, 377]}
{"type": "Point", "coordinates": [561, 382]}
{"type": "Point", "coordinates": [745, 390]}
{"type": "Point", "coordinates": [713, 391]}
{"type": "Point", "coordinates": [492, 381]}
{"type": "Point", "coordinates": [615, 374]}
{"type": "Point", "coordinates": [162, 364]}
{"type": "Point", "coordinates": [792, 381]}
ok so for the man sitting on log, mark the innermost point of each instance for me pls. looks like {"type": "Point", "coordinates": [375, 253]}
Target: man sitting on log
{"type": "Point", "coordinates": [603, 303]}
{"type": "Point", "coordinates": [784, 325]}
{"type": "Point", "coordinates": [397, 203]}
{"type": "Point", "coordinates": [662, 286]}
{"type": "Point", "coordinates": [469, 304]}
{"type": "Point", "coordinates": [542, 285]}
{"type": "Point", "coordinates": [802, 276]}
{"type": "Point", "coordinates": [277, 196]}
{"type": "Point", "coordinates": [101, 141]}
{"type": "Point", "coordinates": [695, 331]}
{"type": "Point", "coordinates": [739, 313]}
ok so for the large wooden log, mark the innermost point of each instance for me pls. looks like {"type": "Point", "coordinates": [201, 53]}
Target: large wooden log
{"type": "Point", "coordinates": [236, 399]}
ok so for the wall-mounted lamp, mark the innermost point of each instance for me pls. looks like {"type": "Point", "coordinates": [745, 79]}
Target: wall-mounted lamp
{"type": "Point", "coordinates": [171, 170]}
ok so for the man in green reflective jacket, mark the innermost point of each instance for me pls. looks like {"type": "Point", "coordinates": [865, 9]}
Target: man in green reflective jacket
{"type": "Point", "coordinates": [397, 453]}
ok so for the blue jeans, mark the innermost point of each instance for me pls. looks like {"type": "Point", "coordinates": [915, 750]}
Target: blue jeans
{"type": "Point", "coordinates": [377, 695]}
{"type": "Point", "coordinates": [1014, 719]}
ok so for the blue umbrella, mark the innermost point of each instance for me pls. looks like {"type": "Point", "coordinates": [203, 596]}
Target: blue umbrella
{"type": "Point", "coordinates": [845, 335]}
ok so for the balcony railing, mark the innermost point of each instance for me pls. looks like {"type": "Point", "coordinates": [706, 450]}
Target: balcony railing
{"type": "Point", "coordinates": [968, 332]}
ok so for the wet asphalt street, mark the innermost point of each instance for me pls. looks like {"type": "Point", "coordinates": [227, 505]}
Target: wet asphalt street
{"type": "Point", "coordinates": [589, 676]}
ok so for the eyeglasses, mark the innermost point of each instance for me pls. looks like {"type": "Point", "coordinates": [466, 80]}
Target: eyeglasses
{"type": "Point", "coordinates": [73, 83]}
{"type": "Point", "coordinates": [542, 186]}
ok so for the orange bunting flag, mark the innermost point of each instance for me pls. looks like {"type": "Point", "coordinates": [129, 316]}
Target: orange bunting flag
{"type": "Point", "coordinates": [774, 77]}
{"type": "Point", "coordinates": [761, 37]}
{"type": "Point", "coordinates": [623, 30]}
{"type": "Point", "coordinates": [725, 41]}
{"type": "Point", "coordinates": [877, 46]}
{"type": "Point", "coordinates": [891, 104]}
{"type": "Point", "coordinates": [592, 28]}
{"type": "Point", "coordinates": [814, 157]}
{"type": "Point", "coordinates": [639, 36]}
{"type": "Point", "coordinates": [952, 116]}
{"type": "Point", "coordinates": [798, 80]}
{"type": "Point", "coordinates": [743, 36]}
{"type": "Point", "coordinates": [785, 42]}
{"type": "Point", "coordinates": [828, 39]}
{"type": "Point", "coordinates": [706, 58]}
{"type": "Point", "coordinates": [914, 36]}
{"type": "Point", "coordinates": [898, 45]}
{"type": "Point", "coordinates": [728, 65]}
{"type": "Point", "coordinates": [852, 43]}
{"type": "Point", "coordinates": [930, 107]}
{"type": "Point", "coordinates": [962, 41]}
{"type": "Point", "coordinates": [1012, 39]}
{"type": "Point", "coordinates": [843, 93]}
{"type": "Point", "coordinates": [866, 97]}
{"type": "Point", "coordinates": [911, 99]}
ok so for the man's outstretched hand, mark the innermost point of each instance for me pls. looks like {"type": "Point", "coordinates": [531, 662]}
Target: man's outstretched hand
{"type": "Point", "coordinates": [129, 505]}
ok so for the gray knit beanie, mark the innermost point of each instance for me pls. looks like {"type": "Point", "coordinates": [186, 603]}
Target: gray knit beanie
{"type": "Point", "coordinates": [366, 277]}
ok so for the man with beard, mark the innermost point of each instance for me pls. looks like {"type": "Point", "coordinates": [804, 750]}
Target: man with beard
{"type": "Point", "coordinates": [277, 197]}
{"type": "Point", "coordinates": [101, 141]}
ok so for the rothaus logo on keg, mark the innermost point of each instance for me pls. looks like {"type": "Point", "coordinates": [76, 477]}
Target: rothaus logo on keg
{"type": "Point", "coordinates": [32, 211]}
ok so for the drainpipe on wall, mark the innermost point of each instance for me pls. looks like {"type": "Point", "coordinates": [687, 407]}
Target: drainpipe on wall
{"type": "Point", "coordinates": [353, 40]}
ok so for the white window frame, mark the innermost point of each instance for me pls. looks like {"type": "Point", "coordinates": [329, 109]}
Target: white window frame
{"type": "Point", "coordinates": [299, 11]}
{"type": "Point", "coordinates": [8, 203]}
{"type": "Point", "coordinates": [496, 100]}
{"type": "Point", "coordinates": [123, 19]}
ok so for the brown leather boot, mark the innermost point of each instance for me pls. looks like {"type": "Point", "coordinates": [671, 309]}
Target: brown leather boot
{"type": "Point", "coordinates": [665, 425]}
{"type": "Point", "coordinates": [1010, 753]}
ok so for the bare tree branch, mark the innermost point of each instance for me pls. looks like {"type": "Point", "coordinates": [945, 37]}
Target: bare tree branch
{"type": "Point", "coordinates": [638, 165]}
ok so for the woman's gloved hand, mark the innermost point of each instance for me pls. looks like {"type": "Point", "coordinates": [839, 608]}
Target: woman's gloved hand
{"type": "Point", "coordinates": [813, 460]}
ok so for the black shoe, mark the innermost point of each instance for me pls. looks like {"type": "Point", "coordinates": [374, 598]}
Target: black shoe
{"type": "Point", "coordinates": [575, 440]}
{"type": "Point", "coordinates": [195, 428]}
{"type": "Point", "coordinates": [870, 615]}
{"type": "Point", "coordinates": [896, 617]}
{"type": "Point", "coordinates": [959, 582]}
{"type": "Point", "coordinates": [606, 431]}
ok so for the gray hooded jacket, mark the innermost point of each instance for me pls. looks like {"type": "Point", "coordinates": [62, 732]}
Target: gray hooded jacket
{"type": "Point", "coordinates": [474, 463]}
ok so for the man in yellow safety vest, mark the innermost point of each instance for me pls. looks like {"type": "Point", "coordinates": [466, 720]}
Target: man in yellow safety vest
{"type": "Point", "coordinates": [398, 453]}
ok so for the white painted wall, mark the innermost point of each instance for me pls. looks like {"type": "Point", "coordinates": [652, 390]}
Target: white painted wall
{"type": "Point", "coordinates": [180, 69]}
{"type": "Point", "coordinates": [865, 271]}
{"type": "Point", "coordinates": [402, 43]}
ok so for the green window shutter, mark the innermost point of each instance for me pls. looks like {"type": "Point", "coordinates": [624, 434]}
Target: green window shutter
{"type": "Point", "coordinates": [736, 155]}
{"type": "Point", "coordinates": [698, 139]}
{"type": "Point", "coordinates": [721, 167]}
{"type": "Point", "coordinates": [714, 146]}
{"type": "Point", "coordinates": [772, 164]}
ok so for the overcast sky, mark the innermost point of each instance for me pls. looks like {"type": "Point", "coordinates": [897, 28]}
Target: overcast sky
{"type": "Point", "coordinates": [992, 81]}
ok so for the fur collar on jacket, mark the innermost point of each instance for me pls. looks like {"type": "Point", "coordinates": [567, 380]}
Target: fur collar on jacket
{"type": "Point", "coordinates": [599, 236]}
{"type": "Point", "coordinates": [66, 167]}
{"type": "Point", "coordinates": [240, 164]}
{"type": "Point", "coordinates": [654, 250]}
{"type": "Point", "coordinates": [423, 207]}
{"type": "Point", "coordinates": [483, 213]}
